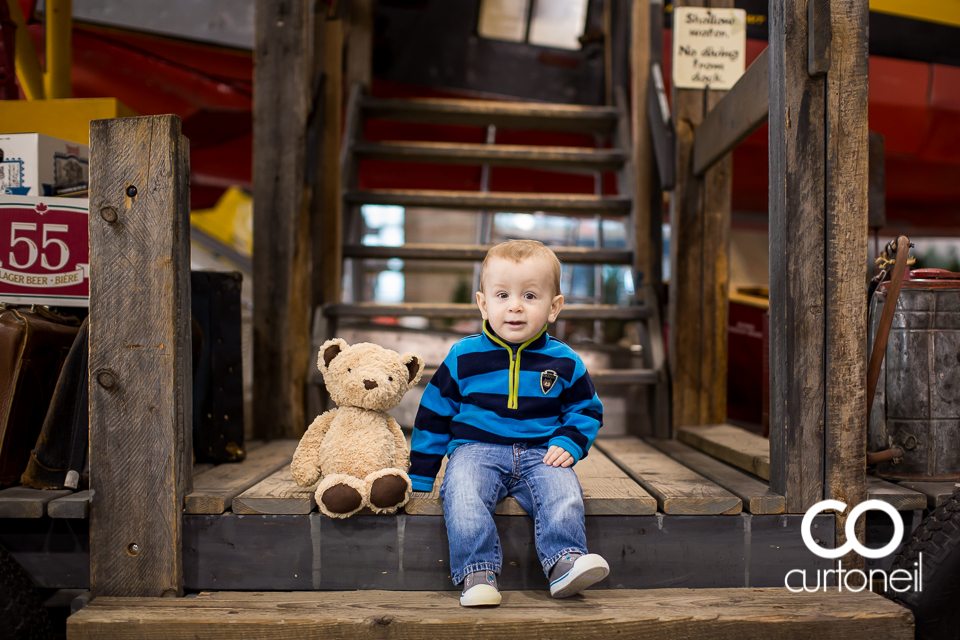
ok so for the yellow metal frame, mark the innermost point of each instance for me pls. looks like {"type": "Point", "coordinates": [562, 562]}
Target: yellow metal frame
{"type": "Point", "coordinates": [55, 81]}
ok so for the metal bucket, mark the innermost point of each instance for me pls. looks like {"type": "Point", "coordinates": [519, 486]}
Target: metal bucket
{"type": "Point", "coordinates": [917, 403]}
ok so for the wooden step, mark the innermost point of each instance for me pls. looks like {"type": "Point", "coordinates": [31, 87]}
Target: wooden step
{"type": "Point", "coordinates": [708, 614]}
{"type": "Point", "coordinates": [937, 492]}
{"type": "Point", "coordinates": [509, 115]}
{"type": "Point", "coordinates": [678, 490]}
{"type": "Point", "coordinates": [607, 491]}
{"type": "Point", "coordinates": [472, 252]}
{"type": "Point", "coordinates": [514, 202]}
{"type": "Point", "coordinates": [215, 490]}
{"type": "Point", "coordinates": [499, 155]}
{"type": "Point", "coordinates": [24, 502]}
{"type": "Point", "coordinates": [468, 310]}
{"type": "Point", "coordinates": [899, 497]}
{"type": "Point", "coordinates": [756, 494]}
{"type": "Point", "coordinates": [739, 447]}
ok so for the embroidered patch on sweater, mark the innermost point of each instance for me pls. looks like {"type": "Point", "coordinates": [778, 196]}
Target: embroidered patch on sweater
{"type": "Point", "coordinates": [547, 380]}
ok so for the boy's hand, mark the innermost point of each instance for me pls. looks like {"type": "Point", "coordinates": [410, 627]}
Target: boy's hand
{"type": "Point", "coordinates": [558, 457]}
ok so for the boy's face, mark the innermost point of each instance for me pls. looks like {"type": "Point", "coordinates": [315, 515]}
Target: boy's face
{"type": "Point", "coordinates": [518, 298]}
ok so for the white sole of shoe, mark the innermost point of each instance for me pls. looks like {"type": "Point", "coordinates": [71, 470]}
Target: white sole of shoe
{"type": "Point", "coordinates": [479, 596]}
{"type": "Point", "coordinates": [586, 571]}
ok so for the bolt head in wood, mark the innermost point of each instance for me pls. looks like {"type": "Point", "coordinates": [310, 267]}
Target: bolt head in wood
{"type": "Point", "coordinates": [131, 191]}
{"type": "Point", "coordinates": [106, 379]}
{"type": "Point", "coordinates": [110, 215]}
{"type": "Point", "coordinates": [133, 548]}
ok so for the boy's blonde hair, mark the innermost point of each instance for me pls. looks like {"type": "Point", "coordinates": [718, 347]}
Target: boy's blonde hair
{"type": "Point", "coordinates": [520, 250]}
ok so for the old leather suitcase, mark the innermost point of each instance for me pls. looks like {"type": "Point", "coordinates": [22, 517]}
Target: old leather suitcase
{"type": "Point", "coordinates": [59, 458]}
{"type": "Point", "coordinates": [218, 376]}
{"type": "Point", "coordinates": [34, 343]}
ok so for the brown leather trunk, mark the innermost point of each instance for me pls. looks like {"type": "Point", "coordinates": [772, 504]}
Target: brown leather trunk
{"type": "Point", "coordinates": [33, 345]}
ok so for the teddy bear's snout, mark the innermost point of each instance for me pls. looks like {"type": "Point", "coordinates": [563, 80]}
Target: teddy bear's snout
{"type": "Point", "coordinates": [369, 384]}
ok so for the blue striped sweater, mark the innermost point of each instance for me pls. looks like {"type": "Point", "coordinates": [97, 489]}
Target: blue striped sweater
{"type": "Point", "coordinates": [489, 390]}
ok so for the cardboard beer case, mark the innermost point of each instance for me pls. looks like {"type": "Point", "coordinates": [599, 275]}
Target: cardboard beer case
{"type": "Point", "coordinates": [32, 164]}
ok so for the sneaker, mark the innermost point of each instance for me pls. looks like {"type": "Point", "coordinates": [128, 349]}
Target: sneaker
{"type": "Point", "coordinates": [480, 589]}
{"type": "Point", "coordinates": [575, 572]}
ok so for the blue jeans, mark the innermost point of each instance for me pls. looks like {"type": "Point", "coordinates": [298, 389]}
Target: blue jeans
{"type": "Point", "coordinates": [479, 475]}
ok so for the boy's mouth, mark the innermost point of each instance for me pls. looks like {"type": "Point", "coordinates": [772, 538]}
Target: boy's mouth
{"type": "Point", "coordinates": [514, 324]}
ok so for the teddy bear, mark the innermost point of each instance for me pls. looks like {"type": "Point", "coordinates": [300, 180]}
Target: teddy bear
{"type": "Point", "coordinates": [357, 449]}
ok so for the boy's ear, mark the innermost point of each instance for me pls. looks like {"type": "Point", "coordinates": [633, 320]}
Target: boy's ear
{"type": "Point", "coordinates": [328, 351]}
{"type": "Point", "coordinates": [414, 364]}
{"type": "Point", "coordinates": [555, 306]}
{"type": "Point", "coordinates": [482, 303]}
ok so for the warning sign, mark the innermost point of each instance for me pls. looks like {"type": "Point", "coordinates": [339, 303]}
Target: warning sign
{"type": "Point", "coordinates": [708, 47]}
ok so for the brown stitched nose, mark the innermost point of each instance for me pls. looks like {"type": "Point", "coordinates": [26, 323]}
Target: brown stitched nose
{"type": "Point", "coordinates": [369, 384]}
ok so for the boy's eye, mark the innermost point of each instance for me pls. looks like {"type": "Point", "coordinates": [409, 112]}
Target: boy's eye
{"type": "Point", "coordinates": [502, 294]}
{"type": "Point", "coordinates": [530, 296]}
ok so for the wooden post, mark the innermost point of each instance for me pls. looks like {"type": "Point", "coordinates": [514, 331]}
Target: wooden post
{"type": "Point", "coordinates": [281, 257]}
{"type": "Point", "coordinates": [140, 355]}
{"type": "Point", "coordinates": [699, 256]}
{"type": "Point", "coordinates": [360, 44]}
{"type": "Point", "coordinates": [643, 254]}
{"type": "Point", "coordinates": [847, 191]}
{"type": "Point", "coordinates": [332, 247]}
{"type": "Point", "coordinates": [797, 328]}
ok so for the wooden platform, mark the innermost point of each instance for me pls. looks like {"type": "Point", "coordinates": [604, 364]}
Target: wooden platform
{"type": "Point", "coordinates": [709, 470]}
{"type": "Point", "coordinates": [721, 614]}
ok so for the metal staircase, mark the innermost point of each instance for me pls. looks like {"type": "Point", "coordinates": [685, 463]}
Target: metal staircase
{"type": "Point", "coordinates": [637, 370]}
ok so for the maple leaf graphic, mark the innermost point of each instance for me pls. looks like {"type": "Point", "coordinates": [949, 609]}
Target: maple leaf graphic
{"type": "Point", "coordinates": [42, 208]}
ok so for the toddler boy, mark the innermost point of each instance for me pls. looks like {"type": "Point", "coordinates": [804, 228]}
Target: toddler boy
{"type": "Point", "coordinates": [514, 410]}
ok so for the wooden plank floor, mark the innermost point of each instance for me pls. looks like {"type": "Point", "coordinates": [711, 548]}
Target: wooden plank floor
{"type": "Point", "coordinates": [708, 614]}
{"type": "Point", "coordinates": [756, 494]}
{"type": "Point", "coordinates": [214, 490]}
{"type": "Point", "coordinates": [741, 448]}
{"type": "Point", "coordinates": [678, 489]}
{"type": "Point", "coordinates": [710, 470]}
{"type": "Point", "coordinates": [607, 490]}
{"type": "Point", "coordinates": [937, 492]}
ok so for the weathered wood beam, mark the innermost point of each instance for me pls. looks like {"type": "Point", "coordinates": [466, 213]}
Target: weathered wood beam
{"type": "Point", "coordinates": [283, 57]}
{"type": "Point", "coordinates": [360, 43]}
{"type": "Point", "coordinates": [797, 269]}
{"type": "Point", "coordinates": [332, 224]}
{"type": "Point", "coordinates": [645, 253]}
{"type": "Point", "coordinates": [699, 257]}
{"type": "Point", "coordinates": [140, 356]}
{"type": "Point", "coordinates": [847, 202]}
{"type": "Point", "coordinates": [741, 112]}
{"type": "Point", "coordinates": [877, 208]}
{"type": "Point", "coordinates": [661, 127]}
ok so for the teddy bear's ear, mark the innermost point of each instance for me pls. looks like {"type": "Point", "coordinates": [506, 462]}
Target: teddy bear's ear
{"type": "Point", "coordinates": [328, 351]}
{"type": "Point", "coordinates": [414, 364]}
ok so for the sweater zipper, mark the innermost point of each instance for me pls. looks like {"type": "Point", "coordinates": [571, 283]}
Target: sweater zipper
{"type": "Point", "coordinates": [513, 395]}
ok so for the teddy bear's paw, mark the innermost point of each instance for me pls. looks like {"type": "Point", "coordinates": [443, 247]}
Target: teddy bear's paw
{"type": "Point", "coordinates": [341, 499]}
{"type": "Point", "coordinates": [340, 496]}
{"type": "Point", "coordinates": [389, 489]}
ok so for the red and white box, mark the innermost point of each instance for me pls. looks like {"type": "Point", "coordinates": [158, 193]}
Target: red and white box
{"type": "Point", "coordinates": [44, 251]}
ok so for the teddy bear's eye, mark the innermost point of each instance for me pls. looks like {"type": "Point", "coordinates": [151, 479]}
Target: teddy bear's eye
{"type": "Point", "coordinates": [349, 370]}
{"type": "Point", "coordinates": [390, 379]}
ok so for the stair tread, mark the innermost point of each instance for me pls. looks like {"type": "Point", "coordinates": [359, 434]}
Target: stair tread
{"type": "Point", "coordinates": [470, 310]}
{"type": "Point", "coordinates": [521, 115]}
{"type": "Point", "coordinates": [508, 200]}
{"type": "Point", "coordinates": [711, 613]}
{"type": "Point", "coordinates": [582, 158]}
{"type": "Point", "coordinates": [569, 255]}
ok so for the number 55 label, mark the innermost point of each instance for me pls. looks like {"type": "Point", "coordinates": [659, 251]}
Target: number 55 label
{"type": "Point", "coordinates": [44, 251]}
